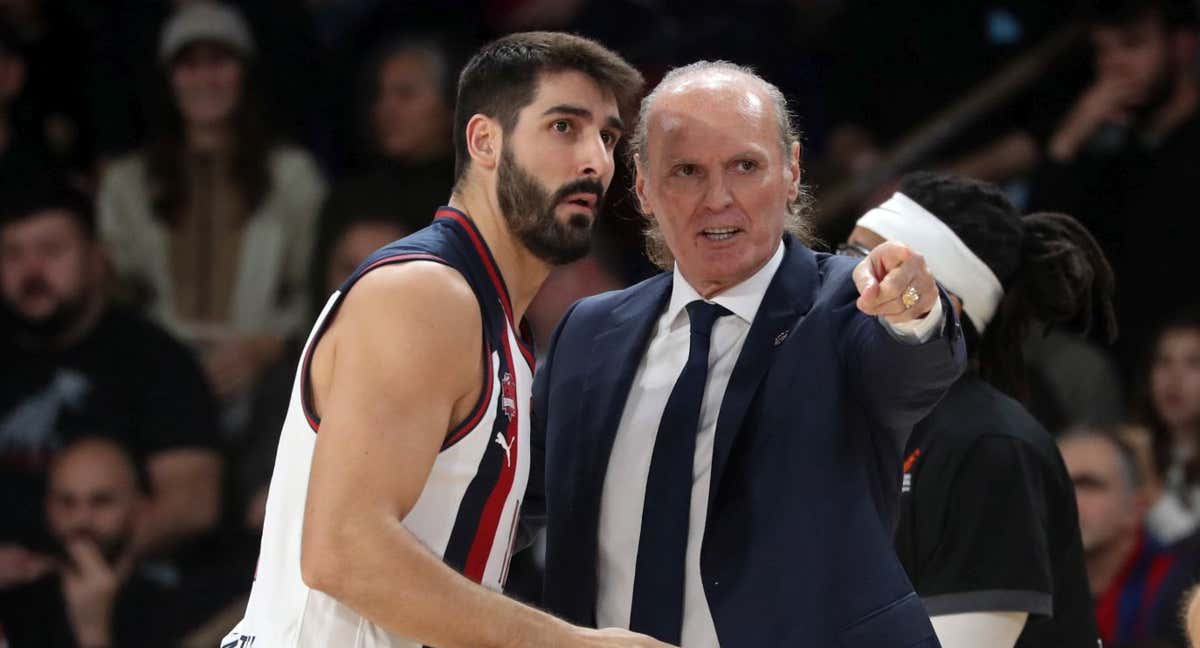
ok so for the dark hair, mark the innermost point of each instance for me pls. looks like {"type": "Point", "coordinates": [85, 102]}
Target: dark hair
{"type": "Point", "coordinates": [252, 142]}
{"type": "Point", "coordinates": [1175, 14]}
{"type": "Point", "coordinates": [1052, 270]}
{"type": "Point", "coordinates": [21, 200]}
{"type": "Point", "coordinates": [1185, 319]}
{"type": "Point", "coordinates": [502, 77]}
{"type": "Point", "coordinates": [136, 463]}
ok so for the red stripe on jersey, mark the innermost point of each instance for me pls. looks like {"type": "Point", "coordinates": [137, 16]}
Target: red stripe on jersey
{"type": "Point", "coordinates": [489, 521]}
{"type": "Point", "coordinates": [486, 256]}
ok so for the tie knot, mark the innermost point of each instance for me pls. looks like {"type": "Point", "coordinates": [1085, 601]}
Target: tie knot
{"type": "Point", "coordinates": [702, 315]}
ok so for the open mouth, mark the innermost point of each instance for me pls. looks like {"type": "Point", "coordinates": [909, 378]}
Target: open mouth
{"type": "Point", "coordinates": [719, 233]}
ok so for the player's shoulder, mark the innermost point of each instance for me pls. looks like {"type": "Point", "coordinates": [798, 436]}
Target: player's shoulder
{"type": "Point", "coordinates": [421, 293]}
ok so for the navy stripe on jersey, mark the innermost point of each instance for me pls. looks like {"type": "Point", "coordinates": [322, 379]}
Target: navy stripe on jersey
{"type": "Point", "coordinates": [470, 525]}
{"type": "Point", "coordinates": [460, 431]}
{"type": "Point", "coordinates": [524, 342]}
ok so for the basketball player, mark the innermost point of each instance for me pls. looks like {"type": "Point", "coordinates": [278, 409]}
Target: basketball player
{"type": "Point", "coordinates": [404, 458]}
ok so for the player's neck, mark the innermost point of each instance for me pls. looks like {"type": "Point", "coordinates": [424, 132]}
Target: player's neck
{"type": "Point", "coordinates": [522, 271]}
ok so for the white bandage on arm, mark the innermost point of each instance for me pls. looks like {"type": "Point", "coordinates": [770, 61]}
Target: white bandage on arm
{"type": "Point", "coordinates": [979, 629]}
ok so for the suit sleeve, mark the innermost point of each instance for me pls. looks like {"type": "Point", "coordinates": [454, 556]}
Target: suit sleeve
{"type": "Point", "coordinates": [533, 511]}
{"type": "Point", "coordinates": [899, 382]}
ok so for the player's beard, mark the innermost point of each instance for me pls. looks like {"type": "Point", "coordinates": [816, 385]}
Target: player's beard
{"type": "Point", "coordinates": [529, 211]}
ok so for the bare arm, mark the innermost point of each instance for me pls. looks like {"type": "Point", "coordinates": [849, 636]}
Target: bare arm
{"type": "Point", "coordinates": [394, 372]}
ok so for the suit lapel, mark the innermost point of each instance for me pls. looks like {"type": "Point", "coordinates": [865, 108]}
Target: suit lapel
{"type": "Point", "coordinates": [788, 298]}
{"type": "Point", "coordinates": [615, 356]}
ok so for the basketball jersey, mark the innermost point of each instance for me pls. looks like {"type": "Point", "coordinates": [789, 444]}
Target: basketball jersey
{"type": "Point", "coordinates": [467, 513]}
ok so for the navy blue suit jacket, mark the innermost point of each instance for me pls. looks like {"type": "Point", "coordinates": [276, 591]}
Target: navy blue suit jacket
{"type": "Point", "coordinates": [797, 549]}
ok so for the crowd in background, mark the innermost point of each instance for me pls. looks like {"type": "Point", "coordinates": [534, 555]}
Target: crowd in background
{"type": "Point", "coordinates": [184, 183]}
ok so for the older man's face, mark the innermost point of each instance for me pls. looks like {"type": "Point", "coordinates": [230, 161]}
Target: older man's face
{"type": "Point", "coordinates": [716, 178]}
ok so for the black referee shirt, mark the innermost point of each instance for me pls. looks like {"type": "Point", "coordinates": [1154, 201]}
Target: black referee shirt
{"type": "Point", "coordinates": [988, 520]}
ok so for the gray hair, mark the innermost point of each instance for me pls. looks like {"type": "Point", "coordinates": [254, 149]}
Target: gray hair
{"type": "Point", "coordinates": [1127, 458]}
{"type": "Point", "coordinates": [799, 210]}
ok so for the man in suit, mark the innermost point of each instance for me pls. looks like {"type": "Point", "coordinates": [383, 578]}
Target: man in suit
{"type": "Point", "coordinates": [723, 441]}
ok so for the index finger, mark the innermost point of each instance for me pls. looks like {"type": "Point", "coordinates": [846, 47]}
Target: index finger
{"type": "Point", "coordinates": [85, 555]}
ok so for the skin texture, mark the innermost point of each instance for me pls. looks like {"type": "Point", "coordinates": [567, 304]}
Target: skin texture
{"type": "Point", "coordinates": [400, 365]}
{"type": "Point", "coordinates": [48, 266]}
{"type": "Point", "coordinates": [718, 183]}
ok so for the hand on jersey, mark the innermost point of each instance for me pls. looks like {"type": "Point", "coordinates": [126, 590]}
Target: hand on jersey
{"type": "Point", "coordinates": [886, 274]}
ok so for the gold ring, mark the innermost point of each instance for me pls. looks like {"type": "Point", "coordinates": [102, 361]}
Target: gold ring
{"type": "Point", "coordinates": [910, 297]}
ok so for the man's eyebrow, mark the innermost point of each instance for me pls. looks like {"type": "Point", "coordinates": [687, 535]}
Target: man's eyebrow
{"type": "Point", "coordinates": [567, 109]}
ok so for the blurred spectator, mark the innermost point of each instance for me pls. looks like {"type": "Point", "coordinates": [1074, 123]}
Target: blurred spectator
{"type": "Point", "coordinates": [213, 221]}
{"type": "Point", "coordinates": [22, 146]}
{"type": "Point", "coordinates": [1126, 567]}
{"type": "Point", "coordinates": [98, 594]}
{"type": "Point", "coordinates": [892, 68]}
{"type": "Point", "coordinates": [75, 365]}
{"type": "Point", "coordinates": [1124, 157]}
{"type": "Point", "coordinates": [1171, 407]}
{"type": "Point", "coordinates": [124, 32]}
{"type": "Point", "coordinates": [254, 463]}
{"type": "Point", "coordinates": [56, 72]}
{"type": "Point", "coordinates": [409, 102]}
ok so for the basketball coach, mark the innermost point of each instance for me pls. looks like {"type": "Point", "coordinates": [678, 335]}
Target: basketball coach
{"type": "Point", "coordinates": [722, 442]}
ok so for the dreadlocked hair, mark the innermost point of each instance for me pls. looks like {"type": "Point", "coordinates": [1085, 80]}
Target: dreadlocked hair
{"type": "Point", "coordinates": [1063, 279]}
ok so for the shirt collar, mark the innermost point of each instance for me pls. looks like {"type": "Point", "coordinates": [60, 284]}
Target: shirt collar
{"type": "Point", "coordinates": [742, 300]}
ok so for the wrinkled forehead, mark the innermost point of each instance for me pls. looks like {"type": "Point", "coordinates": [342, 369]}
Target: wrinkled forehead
{"type": "Point", "coordinates": [711, 112]}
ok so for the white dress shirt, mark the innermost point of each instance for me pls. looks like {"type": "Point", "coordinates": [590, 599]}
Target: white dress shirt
{"type": "Point", "coordinates": [629, 464]}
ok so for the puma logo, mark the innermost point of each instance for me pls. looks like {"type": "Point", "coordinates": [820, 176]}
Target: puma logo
{"type": "Point", "coordinates": [503, 442]}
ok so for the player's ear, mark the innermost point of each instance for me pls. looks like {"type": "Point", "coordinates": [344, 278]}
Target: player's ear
{"type": "Point", "coordinates": [484, 137]}
{"type": "Point", "coordinates": [793, 171]}
{"type": "Point", "coordinates": [639, 185]}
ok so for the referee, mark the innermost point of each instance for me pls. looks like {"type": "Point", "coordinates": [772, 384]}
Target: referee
{"type": "Point", "coordinates": [988, 529]}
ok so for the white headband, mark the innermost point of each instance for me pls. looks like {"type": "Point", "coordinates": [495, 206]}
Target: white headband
{"type": "Point", "coordinates": [949, 259]}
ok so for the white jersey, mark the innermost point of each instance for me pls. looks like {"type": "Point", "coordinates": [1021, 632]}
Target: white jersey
{"type": "Point", "coordinates": [467, 513]}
